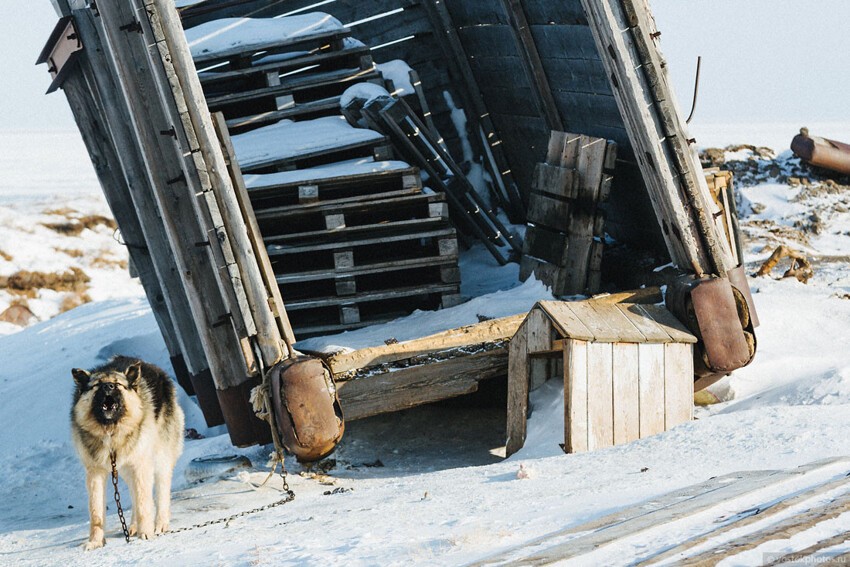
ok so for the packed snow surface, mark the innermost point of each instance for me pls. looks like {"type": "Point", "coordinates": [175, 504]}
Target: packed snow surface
{"type": "Point", "coordinates": [286, 139]}
{"type": "Point", "coordinates": [230, 36]}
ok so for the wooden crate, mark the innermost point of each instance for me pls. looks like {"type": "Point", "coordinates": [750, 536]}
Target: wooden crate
{"type": "Point", "coordinates": [564, 241]}
{"type": "Point", "coordinates": [628, 371]}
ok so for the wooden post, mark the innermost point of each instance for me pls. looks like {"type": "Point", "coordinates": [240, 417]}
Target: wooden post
{"type": "Point", "coordinates": [476, 110]}
{"type": "Point", "coordinates": [530, 59]}
{"type": "Point", "coordinates": [175, 192]}
{"type": "Point", "coordinates": [132, 190]}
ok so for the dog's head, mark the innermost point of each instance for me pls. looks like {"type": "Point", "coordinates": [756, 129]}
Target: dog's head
{"type": "Point", "coordinates": [106, 398]}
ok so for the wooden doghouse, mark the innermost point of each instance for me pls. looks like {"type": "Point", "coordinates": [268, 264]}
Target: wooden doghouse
{"type": "Point", "coordinates": [627, 370]}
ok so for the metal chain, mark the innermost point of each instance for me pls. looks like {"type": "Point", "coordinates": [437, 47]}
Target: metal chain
{"type": "Point", "coordinates": [117, 497]}
{"type": "Point", "coordinates": [290, 496]}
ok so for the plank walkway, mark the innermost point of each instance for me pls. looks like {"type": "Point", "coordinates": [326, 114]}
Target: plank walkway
{"type": "Point", "coordinates": [706, 523]}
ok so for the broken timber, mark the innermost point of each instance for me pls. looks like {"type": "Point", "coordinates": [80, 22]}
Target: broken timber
{"type": "Point", "coordinates": [407, 374]}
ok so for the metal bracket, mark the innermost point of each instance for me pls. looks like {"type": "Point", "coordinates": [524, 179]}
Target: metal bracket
{"type": "Point", "coordinates": [134, 26]}
{"type": "Point", "coordinates": [61, 51]}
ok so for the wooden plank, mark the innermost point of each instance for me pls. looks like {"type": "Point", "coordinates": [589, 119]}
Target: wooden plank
{"type": "Point", "coordinates": [651, 515]}
{"type": "Point", "coordinates": [614, 319]}
{"type": "Point", "coordinates": [678, 384]}
{"type": "Point", "coordinates": [598, 324]}
{"type": "Point", "coordinates": [683, 155]}
{"type": "Point", "coordinates": [652, 404]}
{"type": "Point", "coordinates": [237, 215]}
{"type": "Point", "coordinates": [784, 529]}
{"type": "Point", "coordinates": [576, 429]}
{"type": "Point", "coordinates": [668, 322]}
{"type": "Point", "coordinates": [652, 331]}
{"type": "Point", "coordinates": [349, 233]}
{"type": "Point", "coordinates": [739, 521]}
{"type": "Point", "coordinates": [555, 180]}
{"type": "Point", "coordinates": [626, 392]}
{"type": "Point", "coordinates": [312, 303]}
{"type": "Point", "coordinates": [600, 395]}
{"type": "Point", "coordinates": [532, 64]}
{"type": "Point", "coordinates": [389, 237]}
{"type": "Point", "coordinates": [174, 200]}
{"type": "Point", "coordinates": [274, 299]}
{"type": "Point", "coordinates": [366, 269]}
{"type": "Point", "coordinates": [548, 211]}
{"type": "Point", "coordinates": [518, 388]}
{"type": "Point", "coordinates": [607, 23]}
{"type": "Point", "coordinates": [567, 321]}
{"type": "Point", "coordinates": [409, 387]}
{"type": "Point", "coordinates": [477, 113]}
{"type": "Point", "coordinates": [271, 46]}
{"type": "Point", "coordinates": [492, 330]}
{"type": "Point", "coordinates": [538, 338]}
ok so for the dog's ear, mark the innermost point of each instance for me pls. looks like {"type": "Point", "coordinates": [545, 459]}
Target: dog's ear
{"type": "Point", "coordinates": [81, 377]}
{"type": "Point", "coordinates": [133, 372]}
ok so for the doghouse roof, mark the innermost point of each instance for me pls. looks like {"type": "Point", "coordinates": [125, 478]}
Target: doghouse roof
{"type": "Point", "coordinates": [609, 323]}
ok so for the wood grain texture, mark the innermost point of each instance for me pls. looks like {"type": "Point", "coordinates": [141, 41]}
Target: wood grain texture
{"type": "Point", "coordinates": [575, 396]}
{"type": "Point", "coordinates": [518, 388]}
{"type": "Point", "coordinates": [626, 393]}
{"type": "Point", "coordinates": [678, 384]}
{"type": "Point", "coordinates": [600, 395]}
{"type": "Point", "coordinates": [410, 387]}
{"type": "Point", "coordinates": [651, 389]}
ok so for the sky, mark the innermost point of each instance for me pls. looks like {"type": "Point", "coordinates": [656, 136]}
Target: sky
{"type": "Point", "coordinates": [798, 74]}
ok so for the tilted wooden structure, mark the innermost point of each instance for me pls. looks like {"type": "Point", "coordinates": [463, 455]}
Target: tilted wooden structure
{"type": "Point", "coordinates": [518, 69]}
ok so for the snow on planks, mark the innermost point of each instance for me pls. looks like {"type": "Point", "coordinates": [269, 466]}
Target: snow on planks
{"type": "Point", "coordinates": [703, 524]}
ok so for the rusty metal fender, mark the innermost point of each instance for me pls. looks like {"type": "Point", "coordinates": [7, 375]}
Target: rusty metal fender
{"type": "Point", "coordinates": [719, 315]}
{"type": "Point", "coordinates": [306, 407]}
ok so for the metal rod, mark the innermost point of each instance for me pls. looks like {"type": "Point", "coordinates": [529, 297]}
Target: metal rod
{"type": "Point", "coordinates": [696, 91]}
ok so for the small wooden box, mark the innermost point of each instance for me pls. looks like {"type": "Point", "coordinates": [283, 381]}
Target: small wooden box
{"type": "Point", "coordinates": [627, 369]}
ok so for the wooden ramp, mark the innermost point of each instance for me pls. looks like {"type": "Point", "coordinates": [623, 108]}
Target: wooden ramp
{"type": "Point", "coordinates": [718, 519]}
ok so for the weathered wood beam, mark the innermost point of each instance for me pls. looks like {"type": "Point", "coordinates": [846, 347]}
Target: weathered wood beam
{"type": "Point", "coordinates": [177, 193]}
{"type": "Point", "coordinates": [409, 387]}
{"type": "Point", "coordinates": [133, 190]}
{"type": "Point", "coordinates": [656, 131]}
{"type": "Point", "coordinates": [487, 331]}
{"type": "Point", "coordinates": [533, 66]}
{"type": "Point", "coordinates": [237, 215]}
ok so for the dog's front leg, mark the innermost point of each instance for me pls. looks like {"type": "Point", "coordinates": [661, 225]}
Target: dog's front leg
{"type": "Point", "coordinates": [163, 498]}
{"type": "Point", "coordinates": [141, 485]}
{"type": "Point", "coordinates": [96, 484]}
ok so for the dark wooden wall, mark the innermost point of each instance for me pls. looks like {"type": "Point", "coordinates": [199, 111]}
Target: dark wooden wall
{"type": "Point", "coordinates": [568, 54]}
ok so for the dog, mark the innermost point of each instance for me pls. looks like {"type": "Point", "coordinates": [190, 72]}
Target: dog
{"type": "Point", "coordinates": [127, 408]}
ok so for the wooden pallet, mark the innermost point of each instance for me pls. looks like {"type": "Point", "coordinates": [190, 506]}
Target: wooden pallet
{"type": "Point", "coordinates": [349, 57]}
{"type": "Point", "coordinates": [563, 243]}
{"type": "Point", "coordinates": [314, 148]}
{"type": "Point", "coordinates": [237, 57]}
{"type": "Point", "coordinates": [325, 315]}
{"type": "Point", "coordinates": [266, 192]}
{"type": "Point", "coordinates": [298, 111]}
{"type": "Point", "coordinates": [334, 216]}
{"type": "Point", "coordinates": [290, 91]}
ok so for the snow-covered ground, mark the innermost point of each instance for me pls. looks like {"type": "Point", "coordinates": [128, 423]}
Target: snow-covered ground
{"type": "Point", "coordinates": [425, 486]}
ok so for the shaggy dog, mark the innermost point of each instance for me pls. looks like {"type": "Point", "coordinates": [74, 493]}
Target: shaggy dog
{"type": "Point", "coordinates": [127, 408]}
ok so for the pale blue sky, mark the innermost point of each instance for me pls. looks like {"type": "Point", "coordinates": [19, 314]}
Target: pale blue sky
{"type": "Point", "coordinates": [763, 60]}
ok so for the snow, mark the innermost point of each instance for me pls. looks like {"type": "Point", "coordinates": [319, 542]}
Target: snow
{"type": "Point", "coordinates": [287, 139]}
{"type": "Point", "coordinates": [398, 72]}
{"type": "Point", "coordinates": [341, 168]}
{"type": "Point", "coordinates": [367, 91]}
{"type": "Point", "coordinates": [223, 37]}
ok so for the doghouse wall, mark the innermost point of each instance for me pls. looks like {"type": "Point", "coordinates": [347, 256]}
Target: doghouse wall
{"type": "Point", "coordinates": [402, 29]}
